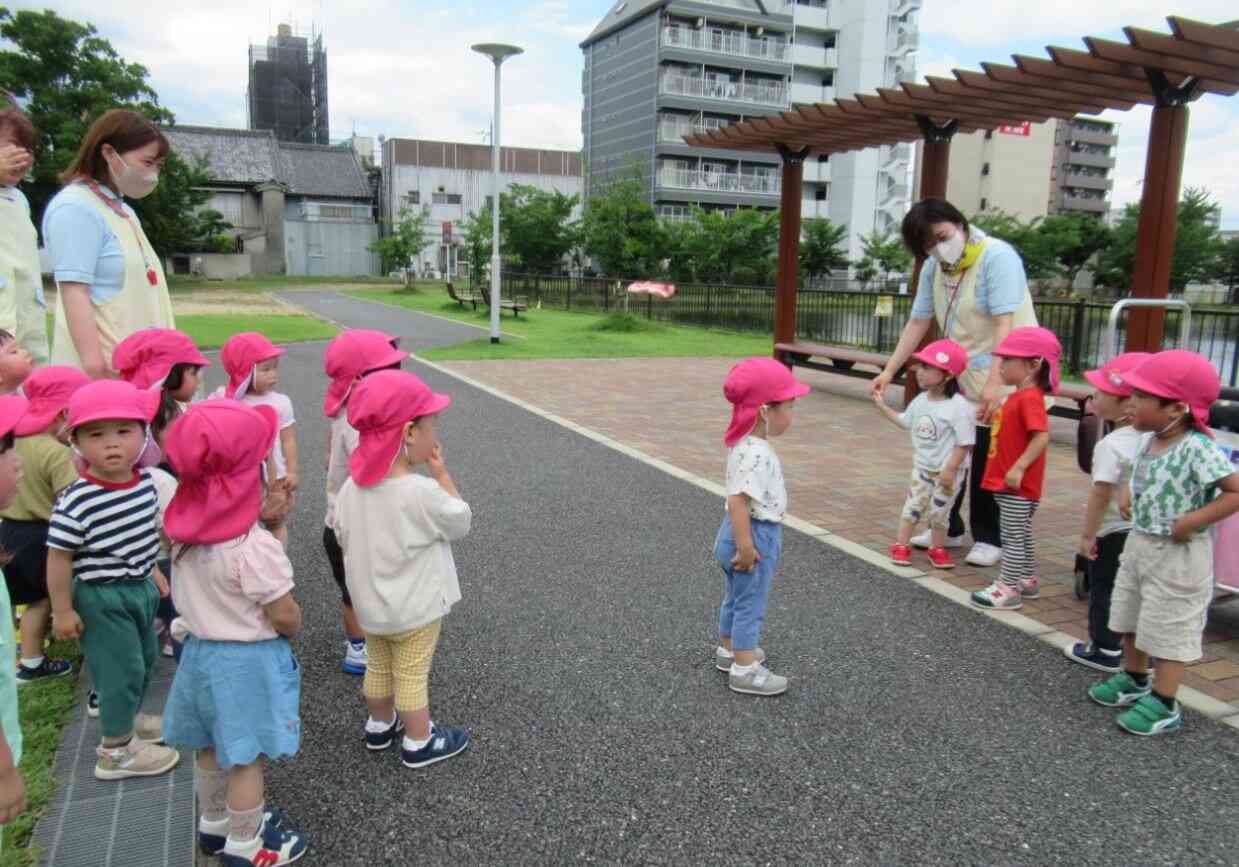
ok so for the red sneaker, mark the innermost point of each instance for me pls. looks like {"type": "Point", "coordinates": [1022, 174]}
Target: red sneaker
{"type": "Point", "coordinates": [940, 558]}
{"type": "Point", "coordinates": [901, 555]}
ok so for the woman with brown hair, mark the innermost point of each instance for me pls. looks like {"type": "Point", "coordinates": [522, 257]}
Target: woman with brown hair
{"type": "Point", "coordinates": [110, 279]}
{"type": "Point", "coordinates": [22, 308]}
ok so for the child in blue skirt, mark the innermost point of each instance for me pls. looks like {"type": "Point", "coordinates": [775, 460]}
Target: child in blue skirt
{"type": "Point", "coordinates": [236, 695]}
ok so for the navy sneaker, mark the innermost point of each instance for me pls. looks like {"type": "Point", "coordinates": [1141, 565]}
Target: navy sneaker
{"type": "Point", "coordinates": [382, 740]}
{"type": "Point", "coordinates": [212, 844]}
{"type": "Point", "coordinates": [271, 848]}
{"type": "Point", "coordinates": [46, 670]}
{"type": "Point", "coordinates": [444, 743]}
{"type": "Point", "coordinates": [1087, 653]}
{"type": "Point", "coordinates": [92, 704]}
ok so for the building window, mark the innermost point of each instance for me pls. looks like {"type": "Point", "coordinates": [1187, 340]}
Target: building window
{"type": "Point", "coordinates": [821, 158]}
{"type": "Point", "coordinates": [984, 169]}
{"type": "Point", "coordinates": [984, 203]}
{"type": "Point", "coordinates": [453, 198]}
{"type": "Point", "coordinates": [819, 195]}
{"type": "Point", "coordinates": [413, 198]}
{"type": "Point", "coordinates": [989, 134]}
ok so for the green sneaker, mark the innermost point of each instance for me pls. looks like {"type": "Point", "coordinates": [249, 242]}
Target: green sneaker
{"type": "Point", "coordinates": [1118, 691]}
{"type": "Point", "coordinates": [1150, 716]}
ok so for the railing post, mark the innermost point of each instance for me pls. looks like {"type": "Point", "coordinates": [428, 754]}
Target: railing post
{"type": "Point", "coordinates": [649, 305]}
{"type": "Point", "coordinates": [568, 306]}
{"type": "Point", "coordinates": [1079, 320]}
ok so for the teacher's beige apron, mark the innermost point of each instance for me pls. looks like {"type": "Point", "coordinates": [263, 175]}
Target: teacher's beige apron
{"type": "Point", "coordinates": [22, 311]}
{"type": "Point", "coordinates": [971, 328]}
{"type": "Point", "coordinates": [139, 304]}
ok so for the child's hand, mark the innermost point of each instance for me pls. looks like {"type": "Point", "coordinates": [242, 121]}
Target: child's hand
{"type": "Point", "coordinates": [1125, 504]}
{"type": "Point", "coordinates": [746, 558]}
{"type": "Point", "coordinates": [66, 625]}
{"type": "Point", "coordinates": [878, 397]}
{"type": "Point", "coordinates": [12, 795]}
{"type": "Point", "coordinates": [435, 461]}
{"type": "Point", "coordinates": [1183, 529]}
{"type": "Point", "coordinates": [161, 583]}
{"type": "Point", "coordinates": [291, 481]}
{"type": "Point", "coordinates": [1088, 547]}
{"type": "Point", "coordinates": [14, 160]}
{"type": "Point", "coordinates": [1014, 477]}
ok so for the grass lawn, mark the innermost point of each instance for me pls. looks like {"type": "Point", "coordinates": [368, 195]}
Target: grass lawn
{"type": "Point", "coordinates": [550, 333]}
{"type": "Point", "coordinates": [211, 330]}
{"type": "Point", "coordinates": [44, 711]}
{"type": "Point", "coordinates": [178, 283]}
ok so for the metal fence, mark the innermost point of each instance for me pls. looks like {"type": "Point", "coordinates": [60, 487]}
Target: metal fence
{"type": "Point", "coordinates": [847, 317]}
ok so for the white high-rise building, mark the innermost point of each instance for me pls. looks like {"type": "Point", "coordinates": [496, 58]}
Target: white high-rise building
{"type": "Point", "coordinates": [656, 70]}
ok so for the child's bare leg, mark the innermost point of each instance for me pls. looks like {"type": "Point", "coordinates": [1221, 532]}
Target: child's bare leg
{"type": "Point", "coordinates": [725, 642]}
{"type": "Point", "coordinates": [745, 658]}
{"type": "Point", "coordinates": [938, 535]}
{"type": "Point", "coordinates": [1137, 661]}
{"type": "Point", "coordinates": [905, 532]}
{"type": "Point", "coordinates": [34, 628]}
{"type": "Point", "coordinates": [416, 723]}
{"type": "Point", "coordinates": [381, 709]}
{"type": "Point", "coordinates": [1169, 674]}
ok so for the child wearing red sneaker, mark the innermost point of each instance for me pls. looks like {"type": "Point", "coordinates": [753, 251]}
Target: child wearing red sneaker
{"type": "Point", "coordinates": [1181, 484]}
{"type": "Point", "coordinates": [943, 429]}
{"type": "Point", "coordinates": [1015, 468]}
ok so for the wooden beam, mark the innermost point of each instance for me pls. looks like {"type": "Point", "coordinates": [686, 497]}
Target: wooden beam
{"type": "Point", "coordinates": [788, 273]}
{"type": "Point", "coordinates": [1015, 75]}
{"type": "Point", "coordinates": [1204, 34]}
{"type": "Point", "coordinates": [957, 90]}
{"type": "Point", "coordinates": [1225, 59]}
{"type": "Point", "coordinates": [1159, 59]}
{"type": "Point", "coordinates": [1039, 87]}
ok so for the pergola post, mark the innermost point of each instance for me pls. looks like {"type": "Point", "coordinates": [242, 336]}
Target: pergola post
{"type": "Point", "coordinates": [935, 170]}
{"type": "Point", "coordinates": [1159, 211]}
{"type": "Point", "coordinates": [788, 274]}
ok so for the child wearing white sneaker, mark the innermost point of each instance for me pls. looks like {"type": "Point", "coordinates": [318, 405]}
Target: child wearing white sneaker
{"type": "Point", "coordinates": [762, 393]}
{"type": "Point", "coordinates": [1015, 466]}
{"type": "Point", "coordinates": [235, 698]}
{"type": "Point", "coordinates": [396, 527]}
{"type": "Point", "coordinates": [943, 428]}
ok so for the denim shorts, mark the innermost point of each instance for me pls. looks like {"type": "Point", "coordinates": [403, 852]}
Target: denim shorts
{"type": "Point", "coordinates": [241, 698]}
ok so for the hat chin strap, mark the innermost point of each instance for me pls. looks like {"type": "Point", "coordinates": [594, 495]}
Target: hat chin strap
{"type": "Point", "coordinates": [244, 387]}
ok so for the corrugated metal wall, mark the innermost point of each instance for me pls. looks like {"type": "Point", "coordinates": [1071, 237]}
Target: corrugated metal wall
{"type": "Point", "coordinates": [325, 249]}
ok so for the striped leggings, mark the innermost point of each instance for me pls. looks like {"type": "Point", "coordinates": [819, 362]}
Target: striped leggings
{"type": "Point", "coordinates": [1015, 522]}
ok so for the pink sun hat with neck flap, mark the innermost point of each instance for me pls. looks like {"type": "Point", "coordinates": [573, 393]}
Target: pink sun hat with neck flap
{"type": "Point", "coordinates": [1109, 378]}
{"type": "Point", "coordinates": [146, 357]}
{"type": "Point", "coordinates": [217, 448]}
{"type": "Point", "coordinates": [48, 389]}
{"type": "Point", "coordinates": [1033, 341]}
{"type": "Point", "coordinates": [381, 405]}
{"type": "Point", "coordinates": [354, 353]}
{"type": "Point", "coordinates": [241, 354]}
{"type": "Point", "coordinates": [1177, 374]}
{"type": "Point", "coordinates": [111, 400]}
{"type": "Point", "coordinates": [752, 384]}
{"type": "Point", "coordinates": [12, 408]}
{"type": "Point", "coordinates": [945, 355]}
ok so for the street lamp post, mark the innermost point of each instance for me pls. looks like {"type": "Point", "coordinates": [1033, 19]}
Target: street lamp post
{"type": "Point", "coordinates": [498, 53]}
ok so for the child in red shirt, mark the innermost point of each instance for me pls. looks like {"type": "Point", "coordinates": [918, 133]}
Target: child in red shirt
{"type": "Point", "coordinates": [1015, 467]}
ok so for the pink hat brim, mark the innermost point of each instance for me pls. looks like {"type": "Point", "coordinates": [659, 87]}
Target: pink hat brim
{"type": "Point", "coordinates": [151, 399]}
{"type": "Point", "coordinates": [376, 450]}
{"type": "Point", "coordinates": [36, 421]}
{"type": "Point", "coordinates": [235, 380]}
{"type": "Point", "coordinates": [339, 389]}
{"type": "Point", "coordinates": [12, 408]}
{"type": "Point", "coordinates": [925, 358]}
{"type": "Point", "coordinates": [1098, 380]}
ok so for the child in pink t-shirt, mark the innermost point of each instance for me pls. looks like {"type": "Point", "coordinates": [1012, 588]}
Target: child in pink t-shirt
{"type": "Point", "coordinates": [235, 698]}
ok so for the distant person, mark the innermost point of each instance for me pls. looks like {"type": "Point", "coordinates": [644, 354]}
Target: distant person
{"type": "Point", "coordinates": [109, 278]}
{"type": "Point", "coordinates": [23, 312]}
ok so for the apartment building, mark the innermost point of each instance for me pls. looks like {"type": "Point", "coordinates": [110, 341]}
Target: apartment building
{"type": "Point", "coordinates": [1082, 170]}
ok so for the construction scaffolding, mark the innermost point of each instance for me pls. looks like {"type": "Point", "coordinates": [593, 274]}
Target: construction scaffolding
{"type": "Point", "coordinates": [288, 87]}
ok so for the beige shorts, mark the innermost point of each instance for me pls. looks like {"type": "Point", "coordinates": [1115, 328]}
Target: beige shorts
{"type": "Point", "coordinates": [930, 496]}
{"type": "Point", "coordinates": [1162, 594]}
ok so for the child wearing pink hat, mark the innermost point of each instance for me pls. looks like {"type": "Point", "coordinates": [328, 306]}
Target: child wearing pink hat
{"type": "Point", "coordinates": [1181, 484]}
{"type": "Point", "coordinates": [762, 393]}
{"type": "Point", "coordinates": [396, 527]}
{"type": "Point", "coordinates": [943, 428]}
{"type": "Point", "coordinates": [12, 786]}
{"type": "Point", "coordinates": [350, 356]}
{"type": "Point", "coordinates": [47, 469]}
{"type": "Point", "coordinates": [102, 544]}
{"type": "Point", "coordinates": [236, 695]}
{"type": "Point", "coordinates": [1105, 528]}
{"type": "Point", "coordinates": [252, 363]}
{"type": "Point", "coordinates": [1015, 465]}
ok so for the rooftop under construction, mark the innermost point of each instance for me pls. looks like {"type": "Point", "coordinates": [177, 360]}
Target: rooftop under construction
{"type": "Point", "coordinates": [288, 87]}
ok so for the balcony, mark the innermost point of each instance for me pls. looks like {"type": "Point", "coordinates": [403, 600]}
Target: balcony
{"type": "Point", "coordinates": [773, 95]}
{"type": "Point", "coordinates": [904, 41]}
{"type": "Point", "coordinates": [813, 209]}
{"type": "Point", "coordinates": [1082, 181]}
{"type": "Point", "coordinates": [1084, 203]}
{"type": "Point", "coordinates": [719, 182]}
{"type": "Point", "coordinates": [900, 8]}
{"type": "Point", "coordinates": [1085, 135]}
{"type": "Point", "coordinates": [811, 94]}
{"type": "Point", "coordinates": [815, 56]}
{"type": "Point", "coordinates": [890, 156]}
{"type": "Point", "coordinates": [895, 192]}
{"type": "Point", "coordinates": [730, 43]}
{"type": "Point", "coordinates": [1084, 158]}
{"type": "Point", "coordinates": [673, 128]}
{"type": "Point", "coordinates": [816, 171]}
{"type": "Point", "coordinates": [812, 17]}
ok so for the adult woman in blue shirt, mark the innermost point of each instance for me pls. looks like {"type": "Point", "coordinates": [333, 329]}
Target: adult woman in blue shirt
{"type": "Point", "coordinates": [110, 280]}
{"type": "Point", "coordinates": [976, 289]}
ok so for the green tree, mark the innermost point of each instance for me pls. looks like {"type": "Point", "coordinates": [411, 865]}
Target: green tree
{"type": "Point", "coordinates": [1228, 268]}
{"type": "Point", "coordinates": [67, 76]}
{"type": "Point", "coordinates": [734, 246]}
{"type": "Point", "coordinates": [1073, 240]}
{"type": "Point", "coordinates": [823, 248]}
{"type": "Point", "coordinates": [535, 227]}
{"type": "Point", "coordinates": [882, 254]}
{"type": "Point", "coordinates": [403, 243]}
{"type": "Point", "coordinates": [620, 230]}
{"type": "Point", "coordinates": [1197, 247]}
{"type": "Point", "coordinates": [477, 231]}
{"type": "Point", "coordinates": [1036, 247]}
{"type": "Point", "coordinates": [211, 234]}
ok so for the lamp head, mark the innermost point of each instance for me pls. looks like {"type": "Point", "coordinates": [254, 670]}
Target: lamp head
{"type": "Point", "coordinates": [497, 52]}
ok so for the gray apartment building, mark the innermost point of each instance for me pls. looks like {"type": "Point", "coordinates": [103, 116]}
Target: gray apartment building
{"type": "Point", "coordinates": [657, 70]}
{"type": "Point", "coordinates": [1082, 167]}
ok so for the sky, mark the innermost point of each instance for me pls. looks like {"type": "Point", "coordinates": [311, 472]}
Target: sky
{"type": "Point", "coordinates": [405, 68]}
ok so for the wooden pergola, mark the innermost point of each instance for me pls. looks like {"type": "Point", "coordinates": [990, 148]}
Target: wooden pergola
{"type": "Point", "coordinates": [1166, 71]}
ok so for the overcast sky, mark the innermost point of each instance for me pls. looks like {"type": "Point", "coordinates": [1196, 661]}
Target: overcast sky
{"type": "Point", "coordinates": [405, 68]}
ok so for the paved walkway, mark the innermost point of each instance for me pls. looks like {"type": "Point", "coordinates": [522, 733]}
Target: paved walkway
{"type": "Point", "coordinates": [580, 657]}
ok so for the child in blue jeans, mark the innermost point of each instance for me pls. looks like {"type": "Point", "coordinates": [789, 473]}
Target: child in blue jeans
{"type": "Point", "coordinates": [762, 393]}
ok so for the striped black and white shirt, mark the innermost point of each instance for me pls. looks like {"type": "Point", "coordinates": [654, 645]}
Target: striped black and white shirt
{"type": "Point", "coordinates": [110, 528]}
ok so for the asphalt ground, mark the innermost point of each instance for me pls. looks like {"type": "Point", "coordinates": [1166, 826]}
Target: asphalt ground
{"type": "Point", "coordinates": [581, 658]}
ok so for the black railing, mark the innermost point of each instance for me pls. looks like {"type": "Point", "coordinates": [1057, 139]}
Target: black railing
{"type": "Point", "coordinates": [848, 317]}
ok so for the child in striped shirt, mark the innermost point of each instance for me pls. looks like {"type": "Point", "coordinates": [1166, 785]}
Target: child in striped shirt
{"type": "Point", "coordinates": [101, 575]}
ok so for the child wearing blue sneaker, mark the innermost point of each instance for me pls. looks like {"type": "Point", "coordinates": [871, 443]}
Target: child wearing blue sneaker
{"type": "Point", "coordinates": [1181, 484]}
{"type": "Point", "coordinates": [235, 698]}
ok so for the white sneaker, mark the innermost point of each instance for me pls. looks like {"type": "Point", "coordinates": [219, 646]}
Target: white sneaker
{"type": "Point", "coordinates": [983, 554]}
{"type": "Point", "coordinates": [926, 540]}
{"type": "Point", "coordinates": [355, 658]}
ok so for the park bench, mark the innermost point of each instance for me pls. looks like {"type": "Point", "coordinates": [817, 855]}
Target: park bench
{"type": "Point", "coordinates": [462, 298]}
{"type": "Point", "coordinates": [515, 305]}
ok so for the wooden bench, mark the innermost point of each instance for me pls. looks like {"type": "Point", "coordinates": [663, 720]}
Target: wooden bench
{"type": "Point", "coordinates": [516, 306]}
{"type": "Point", "coordinates": [462, 298]}
{"type": "Point", "coordinates": [843, 359]}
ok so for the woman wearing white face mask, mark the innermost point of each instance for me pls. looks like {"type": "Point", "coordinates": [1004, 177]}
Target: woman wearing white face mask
{"type": "Point", "coordinates": [976, 289]}
{"type": "Point", "coordinates": [110, 280]}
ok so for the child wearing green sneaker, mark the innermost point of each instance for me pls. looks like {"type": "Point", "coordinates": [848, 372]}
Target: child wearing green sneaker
{"type": "Point", "coordinates": [1181, 484]}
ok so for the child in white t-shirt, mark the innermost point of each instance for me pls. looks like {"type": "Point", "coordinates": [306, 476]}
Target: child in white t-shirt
{"type": "Point", "coordinates": [943, 428]}
{"type": "Point", "coordinates": [749, 543]}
